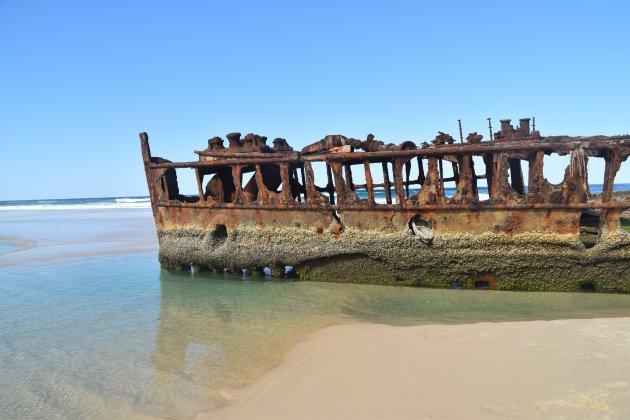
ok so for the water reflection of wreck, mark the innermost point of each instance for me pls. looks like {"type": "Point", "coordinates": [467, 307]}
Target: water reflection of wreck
{"type": "Point", "coordinates": [260, 206]}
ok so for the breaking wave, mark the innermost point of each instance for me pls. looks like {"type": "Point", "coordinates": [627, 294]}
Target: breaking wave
{"type": "Point", "coordinates": [77, 204]}
{"type": "Point", "coordinates": [133, 200]}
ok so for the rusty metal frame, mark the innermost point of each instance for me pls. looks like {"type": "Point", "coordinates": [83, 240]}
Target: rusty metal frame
{"type": "Point", "coordinates": [503, 155]}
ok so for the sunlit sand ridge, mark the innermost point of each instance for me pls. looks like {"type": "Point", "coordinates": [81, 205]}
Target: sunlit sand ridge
{"type": "Point", "coordinates": [537, 369]}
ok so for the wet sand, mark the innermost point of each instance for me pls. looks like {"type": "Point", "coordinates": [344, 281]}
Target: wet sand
{"type": "Point", "coordinates": [537, 369]}
{"type": "Point", "coordinates": [45, 236]}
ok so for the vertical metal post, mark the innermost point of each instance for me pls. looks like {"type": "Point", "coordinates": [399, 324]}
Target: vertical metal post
{"type": "Point", "coordinates": [533, 123]}
{"type": "Point", "coordinates": [388, 185]}
{"type": "Point", "coordinates": [304, 182]}
{"type": "Point", "coordinates": [461, 135]}
{"type": "Point", "coordinates": [262, 190]}
{"type": "Point", "coordinates": [340, 185]}
{"type": "Point", "coordinates": [441, 166]}
{"type": "Point", "coordinates": [349, 180]}
{"type": "Point", "coordinates": [490, 128]}
{"type": "Point", "coordinates": [237, 177]}
{"type": "Point", "coordinates": [146, 158]}
{"type": "Point", "coordinates": [421, 176]}
{"type": "Point", "coordinates": [613, 163]}
{"type": "Point", "coordinates": [399, 189]}
{"type": "Point", "coordinates": [165, 183]}
{"type": "Point", "coordinates": [309, 182]}
{"type": "Point", "coordinates": [286, 183]}
{"type": "Point", "coordinates": [202, 198]}
{"type": "Point", "coordinates": [294, 175]}
{"type": "Point", "coordinates": [330, 188]}
{"type": "Point", "coordinates": [369, 182]}
{"type": "Point", "coordinates": [407, 173]}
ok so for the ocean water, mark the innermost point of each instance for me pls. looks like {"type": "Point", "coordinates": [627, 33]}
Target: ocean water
{"type": "Point", "coordinates": [117, 337]}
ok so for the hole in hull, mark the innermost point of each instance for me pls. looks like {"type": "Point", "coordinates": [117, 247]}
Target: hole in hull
{"type": "Point", "coordinates": [486, 281]}
{"type": "Point", "coordinates": [589, 229]}
{"type": "Point", "coordinates": [220, 233]}
{"type": "Point", "coordinates": [481, 285]}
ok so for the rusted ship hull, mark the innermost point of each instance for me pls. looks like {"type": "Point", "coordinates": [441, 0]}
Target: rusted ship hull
{"type": "Point", "coordinates": [374, 254]}
{"type": "Point", "coordinates": [524, 237]}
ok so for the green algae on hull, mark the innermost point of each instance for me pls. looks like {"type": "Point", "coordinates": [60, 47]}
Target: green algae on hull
{"type": "Point", "coordinates": [528, 261]}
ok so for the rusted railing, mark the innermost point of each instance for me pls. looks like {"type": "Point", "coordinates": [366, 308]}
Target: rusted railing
{"type": "Point", "coordinates": [295, 177]}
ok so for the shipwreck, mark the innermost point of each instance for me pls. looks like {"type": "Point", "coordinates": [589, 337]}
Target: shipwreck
{"type": "Point", "coordinates": [343, 209]}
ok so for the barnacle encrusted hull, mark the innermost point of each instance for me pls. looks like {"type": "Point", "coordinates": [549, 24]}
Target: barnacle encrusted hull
{"type": "Point", "coordinates": [528, 261]}
{"type": "Point", "coordinates": [364, 211]}
{"type": "Point", "coordinates": [462, 248]}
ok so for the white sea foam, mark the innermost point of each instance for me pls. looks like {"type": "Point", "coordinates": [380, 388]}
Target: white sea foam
{"type": "Point", "coordinates": [133, 200]}
{"type": "Point", "coordinates": [86, 206]}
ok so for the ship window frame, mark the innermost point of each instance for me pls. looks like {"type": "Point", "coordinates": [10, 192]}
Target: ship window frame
{"type": "Point", "coordinates": [381, 166]}
{"type": "Point", "coordinates": [220, 171]}
{"type": "Point", "coordinates": [453, 178]}
{"type": "Point", "coordinates": [329, 189]}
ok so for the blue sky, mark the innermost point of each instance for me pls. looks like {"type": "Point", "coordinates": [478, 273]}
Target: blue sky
{"type": "Point", "coordinates": [80, 79]}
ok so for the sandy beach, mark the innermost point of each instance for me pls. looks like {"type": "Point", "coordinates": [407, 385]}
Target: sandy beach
{"type": "Point", "coordinates": [538, 369]}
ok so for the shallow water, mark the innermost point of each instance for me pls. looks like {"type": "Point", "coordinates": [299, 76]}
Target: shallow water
{"type": "Point", "coordinates": [116, 337]}
{"type": "Point", "coordinates": [8, 245]}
